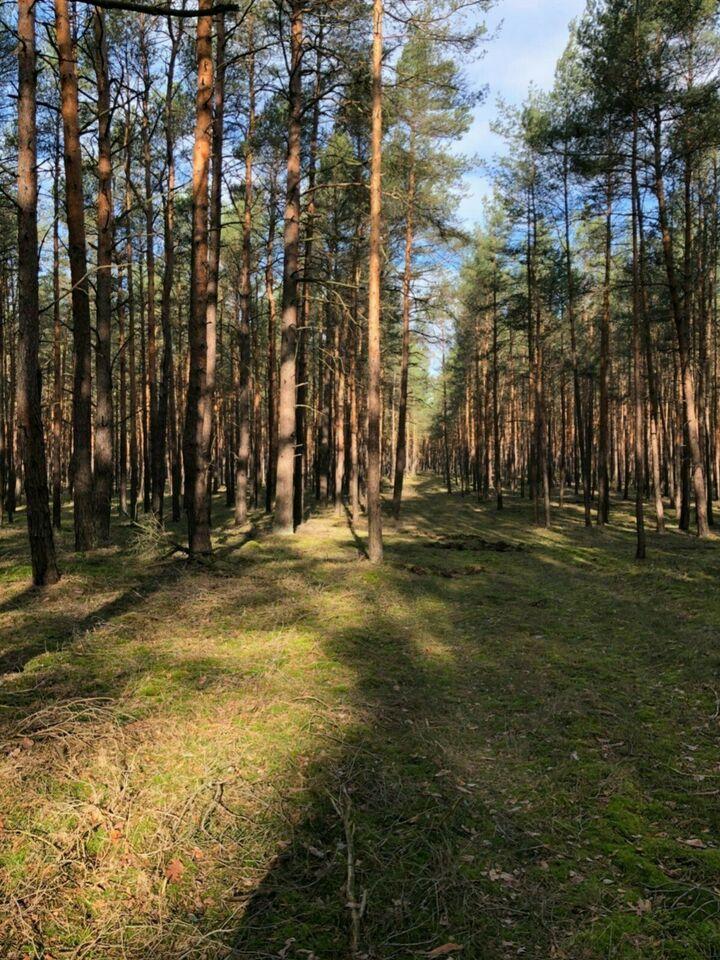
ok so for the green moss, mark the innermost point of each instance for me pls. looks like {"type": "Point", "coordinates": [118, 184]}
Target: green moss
{"type": "Point", "coordinates": [511, 745]}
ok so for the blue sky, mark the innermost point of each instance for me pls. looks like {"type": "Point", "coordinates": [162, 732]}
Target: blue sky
{"type": "Point", "coordinates": [526, 38]}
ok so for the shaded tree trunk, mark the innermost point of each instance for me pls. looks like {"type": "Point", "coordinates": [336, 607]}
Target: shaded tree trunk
{"type": "Point", "coordinates": [198, 417]}
{"type": "Point", "coordinates": [167, 387]}
{"type": "Point", "coordinates": [243, 364]}
{"type": "Point", "coordinates": [104, 425]}
{"type": "Point", "coordinates": [57, 409]}
{"type": "Point", "coordinates": [401, 448]}
{"type": "Point", "coordinates": [681, 316]}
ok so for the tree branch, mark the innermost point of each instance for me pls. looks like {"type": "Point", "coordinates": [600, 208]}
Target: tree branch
{"type": "Point", "coordinates": [162, 10]}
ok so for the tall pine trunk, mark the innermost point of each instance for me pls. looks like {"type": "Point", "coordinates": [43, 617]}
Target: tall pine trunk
{"type": "Point", "coordinates": [82, 478]}
{"type": "Point", "coordinates": [29, 413]}
{"type": "Point", "coordinates": [637, 380]}
{"type": "Point", "coordinates": [286, 416]}
{"type": "Point", "coordinates": [104, 425]}
{"type": "Point", "coordinates": [401, 447]}
{"type": "Point", "coordinates": [166, 392]}
{"type": "Point", "coordinates": [243, 360]}
{"type": "Point", "coordinates": [603, 477]}
{"type": "Point", "coordinates": [198, 417]}
{"type": "Point", "coordinates": [681, 315]}
{"type": "Point", "coordinates": [374, 506]}
{"type": "Point", "coordinates": [57, 409]}
{"type": "Point", "coordinates": [271, 469]}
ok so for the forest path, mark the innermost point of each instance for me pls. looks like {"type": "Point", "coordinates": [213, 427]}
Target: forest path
{"type": "Point", "coordinates": [519, 746]}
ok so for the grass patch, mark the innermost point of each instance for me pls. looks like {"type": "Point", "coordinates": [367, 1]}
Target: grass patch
{"type": "Point", "coordinates": [512, 739]}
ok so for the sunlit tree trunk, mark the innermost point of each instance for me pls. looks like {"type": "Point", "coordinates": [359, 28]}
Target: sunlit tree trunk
{"type": "Point", "coordinates": [286, 417]}
{"type": "Point", "coordinates": [82, 479]}
{"type": "Point", "coordinates": [104, 425]}
{"type": "Point", "coordinates": [374, 507]}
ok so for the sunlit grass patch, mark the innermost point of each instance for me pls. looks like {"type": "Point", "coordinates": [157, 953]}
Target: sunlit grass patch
{"type": "Point", "coordinates": [520, 758]}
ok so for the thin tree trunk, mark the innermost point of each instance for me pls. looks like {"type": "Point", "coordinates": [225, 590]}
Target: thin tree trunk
{"type": "Point", "coordinates": [82, 479]}
{"type": "Point", "coordinates": [29, 413]}
{"type": "Point", "coordinates": [198, 419]}
{"type": "Point", "coordinates": [603, 515]}
{"type": "Point", "coordinates": [213, 268]}
{"type": "Point", "coordinates": [155, 478]}
{"type": "Point", "coordinates": [132, 351]}
{"type": "Point", "coordinates": [339, 406]}
{"type": "Point", "coordinates": [374, 506]}
{"type": "Point", "coordinates": [354, 479]}
{"type": "Point", "coordinates": [681, 315]}
{"type": "Point", "coordinates": [401, 449]}
{"type": "Point", "coordinates": [286, 418]}
{"type": "Point", "coordinates": [655, 412]}
{"type": "Point", "coordinates": [637, 359]}
{"type": "Point", "coordinates": [243, 365]}
{"type": "Point", "coordinates": [301, 417]}
{"type": "Point", "coordinates": [496, 412]}
{"type": "Point", "coordinates": [104, 426]}
{"type": "Point", "coordinates": [271, 471]}
{"type": "Point", "coordinates": [166, 395]}
{"type": "Point", "coordinates": [57, 411]}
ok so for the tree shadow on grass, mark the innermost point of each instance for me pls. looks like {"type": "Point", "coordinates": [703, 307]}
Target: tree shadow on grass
{"type": "Point", "coordinates": [51, 630]}
{"type": "Point", "coordinates": [454, 780]}
{"type": "Point", "coordinates": [528, 832]}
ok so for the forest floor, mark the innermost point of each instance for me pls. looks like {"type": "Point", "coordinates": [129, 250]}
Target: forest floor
{"type": "Point", "coordinates": [515, 750]}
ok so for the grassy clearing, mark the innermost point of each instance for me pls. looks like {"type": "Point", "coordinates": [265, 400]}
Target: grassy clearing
{"type": "Point", "coordinates": [521, 758]}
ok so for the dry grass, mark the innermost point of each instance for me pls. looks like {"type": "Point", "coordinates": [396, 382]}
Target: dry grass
{"type": "Point", "coordinates": [296, 755]}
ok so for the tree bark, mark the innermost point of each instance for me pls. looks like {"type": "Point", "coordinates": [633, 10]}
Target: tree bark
{"type": "Point", "coordinates": [497, 479]}
{"type": "Point", "coordinates": [374, 505]}
{"type": "Point", "coordinates": [56, 465]}
{"type": "Point", "coordinates": [638, 398]}
{"type": "Point", "coordinates": [301, 418]}
{"type": "Point", "coordinates": [401, 447]}
{"type": "Point", "coordinates": [132, 347]}
{"type": "Point", "coordinates": [104, 425]}
{"type": "Point", "coordinates": [42, 547]}
{"type": "Point", "coordinates": [243, 364]}
{"type": "Point", "coordinates": [286, 418]}
{"type": "Point", "coordinates": [681, 316]}
{"type": "Point", "coordinates": [271, 471]}
{"type": "Point", "coordinates": [155, 480]}
{"type": "Point", "coordinates": [166, 392]}
{"type": "Point", "coordinates": [603, 515]}
{"type": "Point", "coordinates": [198, 418]}
{"type": "Point", "coordinates": [82, 478]}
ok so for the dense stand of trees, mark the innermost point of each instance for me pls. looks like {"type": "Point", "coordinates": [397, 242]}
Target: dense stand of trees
{"type": "Point", "coordinates": [223, 232]}
{"type": "Point", "coordinates": [586, 353]}
{"type": "Point", "coordinates": [223, 279]}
